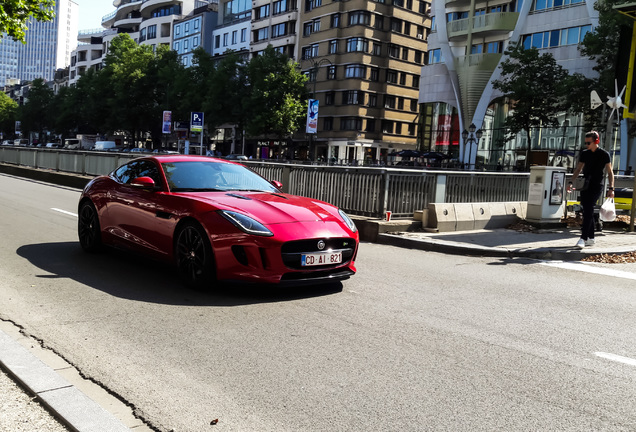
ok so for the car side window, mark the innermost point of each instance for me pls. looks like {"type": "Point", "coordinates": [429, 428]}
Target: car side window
{"type": "Point", "coordinates": [148, 169]}
{"type": "Point", "coordinates": [124, 173]}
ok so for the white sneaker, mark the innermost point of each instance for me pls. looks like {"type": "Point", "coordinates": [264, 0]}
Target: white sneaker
{"type": "Point", "coordinates": [580, 244]}
{"type": "Point", "coordinates": [590, 242]}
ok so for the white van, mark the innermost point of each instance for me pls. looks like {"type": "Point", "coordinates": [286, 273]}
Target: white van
{"type": "Point", "coordinates": [105, 145]}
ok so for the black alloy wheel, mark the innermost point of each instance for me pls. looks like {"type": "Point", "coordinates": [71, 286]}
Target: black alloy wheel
{"type": "Point", "coordinates": [88, 229]}
{"type": "Point", "coordinates": [194, 257]}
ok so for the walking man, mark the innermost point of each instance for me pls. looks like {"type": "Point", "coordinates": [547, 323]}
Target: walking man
{"type": "Point", "coordinates": [592, 162]}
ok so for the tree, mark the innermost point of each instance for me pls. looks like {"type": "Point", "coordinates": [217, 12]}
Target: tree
{"type": "Point", "coordinates": [535, 85]}
{"type": "Point", "coordinates": [36, 112]}
{"type": "Point", "coordinates": [8, 109]}
{"type": "Point", "coordinates": [14, 15]}
{"type": "Point", "coordinates": [277, 98]}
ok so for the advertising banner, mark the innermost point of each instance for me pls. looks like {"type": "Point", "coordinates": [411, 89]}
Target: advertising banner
{"type": "Point", "coordinates": [18, 127]}
{"type": "Point", "coordinates": [312, 116]}
{"type": "Point", "coordinates": [167, 122]}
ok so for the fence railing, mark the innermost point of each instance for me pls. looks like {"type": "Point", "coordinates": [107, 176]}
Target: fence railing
{"type": "Point", "coordinates": [366, 191]}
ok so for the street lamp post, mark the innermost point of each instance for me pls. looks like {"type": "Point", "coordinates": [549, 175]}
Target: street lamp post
{"type": "Point", "coordinates": [470, 136]}
{"type": "Point", "coordinates": [315, 66]}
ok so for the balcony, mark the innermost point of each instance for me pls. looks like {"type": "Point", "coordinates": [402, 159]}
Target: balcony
{"type": "Point", "coordinates": [149, 5]}
{"type": "Point", "coordinates": [483, 25]}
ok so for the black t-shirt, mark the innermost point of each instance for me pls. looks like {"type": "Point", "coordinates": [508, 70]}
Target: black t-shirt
{"type": "Point", "coordinates": [595, 162]}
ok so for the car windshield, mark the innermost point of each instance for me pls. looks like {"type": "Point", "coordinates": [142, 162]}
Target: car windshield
{"type": "Point", "coordinates": [198, 176]}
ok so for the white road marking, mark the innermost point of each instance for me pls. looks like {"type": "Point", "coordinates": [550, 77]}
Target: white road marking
{"type": "Point", "coordinates": [616, 358]}
{"type": "Point", "coordinates": [587, 268]}
{"type": "Point", "coordinates": [65, 212]}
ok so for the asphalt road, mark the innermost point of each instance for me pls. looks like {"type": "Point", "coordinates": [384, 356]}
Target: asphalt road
{"type": "Point", "coordinates": [416, 341]}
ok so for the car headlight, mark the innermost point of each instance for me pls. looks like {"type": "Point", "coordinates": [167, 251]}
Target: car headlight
{"type": "Point", "coordinates": [348, 221]}
{"type": "Point", "coordinates": [246, 223]}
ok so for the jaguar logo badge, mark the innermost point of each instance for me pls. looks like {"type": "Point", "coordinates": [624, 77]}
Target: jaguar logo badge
{"type": "Point", "coordinates": [321, 245]}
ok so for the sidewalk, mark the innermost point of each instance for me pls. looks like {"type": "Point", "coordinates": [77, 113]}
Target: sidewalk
{"type": "Point", "coordinates": [555, 244]}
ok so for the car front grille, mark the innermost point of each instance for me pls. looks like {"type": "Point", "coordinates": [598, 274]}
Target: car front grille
{"type": "Point", "coordinates": [292, 251]}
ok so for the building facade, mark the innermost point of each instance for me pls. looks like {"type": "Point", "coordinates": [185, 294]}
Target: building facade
{"type": "Point", "coordinates": [194, 31]}
{"type": "Point", "coordinates": [48, 46]}
{"type": "Point", "coordinates": [363, 59]}
{"type": "Point", "coordinates": [466, 46]}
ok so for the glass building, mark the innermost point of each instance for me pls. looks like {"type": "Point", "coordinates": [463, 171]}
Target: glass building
{"type": "Point", "coordinates": [48, 46]}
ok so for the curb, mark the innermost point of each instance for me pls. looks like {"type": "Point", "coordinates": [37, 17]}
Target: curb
{"type": "Point", "coordinates": [455, 248]}
{"type": "Point", "coordinates": [65, 401]}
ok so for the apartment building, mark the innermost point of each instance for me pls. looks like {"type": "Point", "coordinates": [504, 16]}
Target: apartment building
{"type": "Point", "coordinates": [48, 46]}
{"type": "Point", "coordinates": [364, 59]}
{"type": "Point", "coordinates": [466, 46]}
{"type": "Point", "coordinates": [232, 31]}
{"type": "Point", "coordinates": [194, 31]}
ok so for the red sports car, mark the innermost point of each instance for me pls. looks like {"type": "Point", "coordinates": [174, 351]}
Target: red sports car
{"type": "Point", "coordinates": [217, 221]}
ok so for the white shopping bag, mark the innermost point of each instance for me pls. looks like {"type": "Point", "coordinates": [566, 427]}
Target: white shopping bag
{"type": "Point", "coordinates": [607, 213]}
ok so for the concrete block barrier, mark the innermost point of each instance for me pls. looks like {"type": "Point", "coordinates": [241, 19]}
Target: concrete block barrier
{"type": "Point", "coordinates": [442, 217]}
{"type": "Point", "coordinates": [464, 217]}
{"type": "Point", "coordinates": [482, 215]}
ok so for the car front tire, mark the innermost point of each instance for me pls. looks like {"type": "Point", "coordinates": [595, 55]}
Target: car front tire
{"type": "Point", "coordinates": [88, 228]}
{"type": "Point", "coordinates": [194, 257]}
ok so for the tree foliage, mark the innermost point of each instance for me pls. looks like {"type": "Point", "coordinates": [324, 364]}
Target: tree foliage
{"type": "Point", "coordinates": [15, 14]}
{"type": "Point", "coordinates": [265, 96]}
{"type": "Point", "coordinates": [8, 111]}
{"type": "Point", "coordinates": [35, 112]}
{"type": "Point", "coordinates": [536, 86]}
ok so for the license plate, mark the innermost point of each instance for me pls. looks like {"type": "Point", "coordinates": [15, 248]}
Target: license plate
{"type": "Point", "coordinates": [321, 258]}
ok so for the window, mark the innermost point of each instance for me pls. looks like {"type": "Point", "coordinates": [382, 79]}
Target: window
{"type": "Point", "coordinates": [359, 18]}
{"type": "Point", "coordinates": [407, 28]}
{"type": "Point", "coordinates": [387, 126]}
{"type": "Point", "coordinates": [394, 51]}
{"type": "Point", "coordinates": [279, 30]}
{"type": "Point", "coordinates": [142, 35]}
{"type": "Point", "coordinates": [243, 35]}
{"type": "Point", "coordinates": [234, 37]}
{"type": "Point", "coordinates": [186, 28]}
{"type": "Point", "coordinates": [414, 105]}
{"type": "Point", "coordinates": [195, 24]}
{"type": "Point", "coordinates": [333, 46]}
{"type": "Point", "coordinates": [391, 76]}
{"type": "Point", "coordinates": [280, 6]}
{"type": "Point", "coordinates": [370, 125]}
{"type": "Point", "coordinates": [329, 97]}
{"type": "Point", "coordinates": [261, 12]}
{"type": "Point", "coordinates": [400, 103]}
{"type": "Point", "coordinates": [331, 73]}
{"type": "Point", "coordinates": [435, 56]}
{"type": "Point", "coordinates": [389, 101]}
{"type": "Point", "coordinates": [195, 42]}
{"type": "Point", "coordinates": [405, 53]}
{"type": "Point", "coordinates": [225, 39]}
{"type": "Point", "coordinates": [352, 97]}
{"type": "Point", "coordinates": [377, 49]}
{"type": "Point", "coordinates": [495, 47]}
{"type": "Point", "coordinates": [217, 41]}
{"type": "Point", "coordinates": [357, 44]}
{"type": "Point", "coordinates": [416, 81]}
{"type": "Point", "coordinates": [350, 123]}
{"type": "Point", "coordinates": [355, 71]}
{"type": "Point", "coordinates": [398, 127]}
{"type": "Point", "coordinates": [185, 45]}
{"type": "Point", "coordinates": [261, 34]}
{"type": "Point", "coordinates": [177, 30]}
{"type": "Point", "coordinates": [418, 57]}
{"type": "Point", "coordinates": [412, 129]}
{"type": "Point", "coordinates": [379, 22]}
{"type": "Point", "coordinates": [176, 46]}
{"type": "Point", "coordinates": [373, 100]}
{"type": "Point", "coordinates": [335, 20]}
{"type": "Point", "coordinates": [310, 51]}
{"type": "Point", "coordinates": [307, 28]}
{"type": "Point", "coordinates": [374, 75]}
{"type": "Point", "coordinates": [327, 123]}
{"type": "Point", "coordinates": [396, 25]}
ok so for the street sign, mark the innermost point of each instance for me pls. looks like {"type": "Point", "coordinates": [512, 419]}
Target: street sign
{"type": "Point", "coordinates": [196, 122]}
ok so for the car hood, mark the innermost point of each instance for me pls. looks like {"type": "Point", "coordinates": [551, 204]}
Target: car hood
{"type": "Point", "coordinates": [273, 208]}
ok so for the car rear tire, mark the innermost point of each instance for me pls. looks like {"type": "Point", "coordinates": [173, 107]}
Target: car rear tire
{"type": "Point", "coordinates": [88, 228]}
{"type": "Point", "coordinates": [195, 260]}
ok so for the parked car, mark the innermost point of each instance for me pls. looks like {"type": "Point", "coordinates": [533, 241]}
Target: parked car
{"type": "Point", "coordinates": [21, 142]}
{"type": "Point", "coordinates": [53, 145]}
{"type": "Point", "coordinates": [217, 221]}
{"type": "Point", "coordinates": [235, 157]}
{"type": "Point", "coordinates": [105, 145]}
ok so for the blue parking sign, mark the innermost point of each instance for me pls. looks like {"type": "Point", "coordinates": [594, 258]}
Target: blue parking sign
{"type": "Point", "coordinates": [196, 121]}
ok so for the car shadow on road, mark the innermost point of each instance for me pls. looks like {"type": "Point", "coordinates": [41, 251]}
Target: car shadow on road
{"type": "Point", "coordinates": [126, 275]}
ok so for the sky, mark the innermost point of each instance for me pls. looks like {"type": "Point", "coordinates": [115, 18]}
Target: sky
{"type": "Point", "coordinates": [92, 11]}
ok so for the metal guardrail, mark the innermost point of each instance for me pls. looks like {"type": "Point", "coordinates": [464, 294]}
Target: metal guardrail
{"type": "Point", "coordinates": [366, 191]}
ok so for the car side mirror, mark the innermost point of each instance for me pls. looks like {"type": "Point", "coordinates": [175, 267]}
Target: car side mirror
{"type": "Point", "coordinates": [278, 184]}
{"type": "Point", "coordinates": [143, 183]}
